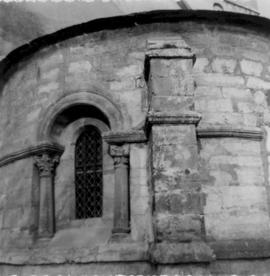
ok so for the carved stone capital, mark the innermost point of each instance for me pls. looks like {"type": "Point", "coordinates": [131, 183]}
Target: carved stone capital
{"type": "Point", "coordinates": [46, 163]}
{"type": "Point", "coordinates": [123, 160]}
{"type": "Point", "coordinates": [31, 151]}
{"type": "Point", "coordinates": [119, 151]}
{"type": "Point", "coordinates": [120, 154]}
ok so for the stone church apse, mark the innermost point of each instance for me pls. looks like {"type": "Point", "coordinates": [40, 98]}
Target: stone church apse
{"type": "Point", "coordinates": [138, 144]}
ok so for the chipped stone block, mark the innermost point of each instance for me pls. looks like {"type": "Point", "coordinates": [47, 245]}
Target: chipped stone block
{"type": "Point", "coordinates": [216, 105]}
{"type": "Point", "coordinates": [181, 202]}
{"type": "Point", "coordinates": [138, 157]}
{"type": "Point", "coordinates": [226, 66]}
{"type": "Point", "coordinates": [245, 107]}
{"type": "Point", "coordinates": [218, 79]}
{"type": "Point", "coordinates": [268, 138]}
{"type": "Point", "coordinates": [51, 61]}
{"type": "Point", "coordinates": [257, 83]}
{"type": "Point", "coordinates": [50, 75]}
{"type": "Point", "coordinates": [33, 115]}
{"type": "Point", "coordinates": [80, 67]}
{"type": "Point", "coordinates": [176, 179]}
{"type": "Point", "coordinates": [201, 64]}
{"type": "Point", "coordinates": [177, 227]}
{"type": "Point", "coordinates": [174, 135]}
{"type": "Point", "coordinates": [175, 253]}
{"type": "Point", "coordinates": [129, 71]}
{"type": "Point", "coordinates": [172, 77]}
{"type": "Point", "coordinates": [204, 92]}
{"type": "Point", "coordinates": [260, 98]}
{"type": "Point", "coordinates": [224, 226]}
{"type": "Point", "coordinates": [168, 157]}
{"type": "Point", "coordinates": [172, 103]}
{"type": "Point", "coordinates": [231, 92]}
{"type": "Point", "coordinates": [236, 160]}
{"type": "Point", "coordinates": [250, 67]}
{"type": "Point", "coordinates": [140, 227]}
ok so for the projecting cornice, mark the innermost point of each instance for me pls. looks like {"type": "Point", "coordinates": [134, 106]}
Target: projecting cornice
{"type": "Point", "coordinates": [30, 151]}
{"type": "Point", "coordinates": [125, 137]}
{"type": "Point", "coordinates": [229, 131]}
{"type": "Point", "coordinates": [131, 21]}
{"type": "Point", "coordinates": [159, 118]}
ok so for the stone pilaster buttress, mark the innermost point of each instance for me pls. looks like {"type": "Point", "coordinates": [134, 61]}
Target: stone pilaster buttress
{"type": "Point", "coordinates": [178, 200]}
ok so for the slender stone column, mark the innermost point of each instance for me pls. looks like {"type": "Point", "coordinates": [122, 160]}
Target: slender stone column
{"type": "Point", "coordinates": [120, 156]}
{"type": "Point", "coordinates": [46, 164]}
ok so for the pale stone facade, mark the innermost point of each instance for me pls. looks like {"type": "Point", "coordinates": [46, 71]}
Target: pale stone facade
{"type": "Point", "coordinates": [181, 100]}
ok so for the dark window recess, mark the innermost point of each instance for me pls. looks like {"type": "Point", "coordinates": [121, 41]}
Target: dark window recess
{"type": "Point", "coordinates": [88, 174]}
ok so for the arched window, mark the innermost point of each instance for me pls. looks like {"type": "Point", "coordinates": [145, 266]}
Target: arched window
{"type": "Point", "coordinates": [88, 174]}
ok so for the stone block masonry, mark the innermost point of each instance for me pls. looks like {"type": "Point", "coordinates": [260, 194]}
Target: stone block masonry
{"type": "Point", "coordinates": [183, 109]}
{"type": "Point", "coordinates": [178, 209]}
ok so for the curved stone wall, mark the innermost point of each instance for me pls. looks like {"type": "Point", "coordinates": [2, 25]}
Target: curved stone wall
{"type": "Point", "coordinates": [227, 87]}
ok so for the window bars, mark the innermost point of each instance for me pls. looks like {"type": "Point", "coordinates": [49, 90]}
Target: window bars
{"type": "Point", "coordinates": [88, 174]}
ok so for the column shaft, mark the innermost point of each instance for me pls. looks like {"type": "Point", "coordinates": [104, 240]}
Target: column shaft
{"type": "Point", "coordinates": [46, 165]}
{"type": "Point", "coordinates": [121, 200]}
{"type": "Point", "coordinates": [46, 212]}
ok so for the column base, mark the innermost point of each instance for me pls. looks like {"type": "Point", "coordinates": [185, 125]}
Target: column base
{"type": "Point", "coordinates": [45, 236]}
{"type": "Point", "coordinates": [120, 237]}
{"type": "Point", "coordinates": [42, 242]}
{"type": "Point", "coordinates": [121, 230]}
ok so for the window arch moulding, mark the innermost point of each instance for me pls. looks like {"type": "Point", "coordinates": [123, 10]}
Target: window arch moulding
{"type": "Point", "coordinates": [105, 105]}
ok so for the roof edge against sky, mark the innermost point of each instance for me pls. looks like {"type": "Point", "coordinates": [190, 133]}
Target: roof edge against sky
{"type": "Point", "coordinates": [132, 20]}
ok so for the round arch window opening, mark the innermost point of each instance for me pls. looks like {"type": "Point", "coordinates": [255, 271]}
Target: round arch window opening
{"type": "Point", "coordinates": [88, 174]}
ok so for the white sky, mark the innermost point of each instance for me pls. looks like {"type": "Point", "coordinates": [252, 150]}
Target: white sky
{"type": "Point", "coordinates": [264, 7]}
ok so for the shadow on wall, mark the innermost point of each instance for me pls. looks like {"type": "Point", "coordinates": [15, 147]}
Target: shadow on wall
{"type": "Point", "coordinates": [17, 26]}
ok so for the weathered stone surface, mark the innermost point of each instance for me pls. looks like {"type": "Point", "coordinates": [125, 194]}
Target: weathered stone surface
{"type": "Point", "coordinates": [172, 253]}
{"type": "Point", "coordinates": [178, 228]}
{"type": "Point", "coordinates": [226, 66]}
{"type": "Point", "coordinates": [201, 64]}
{"type": "Point", "coordinates": [251, 67]}
{"type": "Point", "coordinates": [80, 67]}
{"type": "Point", "coordinates": [240, 267]}
{"type": "Point", "coordinates": [180, 203]}
{"type": "Point", "coordinates": [178, 214]}
{"type": "Point", "coordinates": [233, 92]}
{"type": "Point", "coordinates": [183, 184]}
{"type": "Point", "coordinates": [172, 103]}
{"type": "Point", "coordinates": [244, 249]}
{"type": "Point", "coordinates": [257, 83]}
{"type": "Point", "coordinates": [202, 92]}
{"type": "Point", "coordinates": [75, 270]}
{"type": "Point", "coordinates": [172, 78]}
{"type": "Point", "coordinates": [218, 79]}
{"type": "Point", "coordinates": [51, 61]}
{"type": "Point", "coordinates": [217, 105]}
